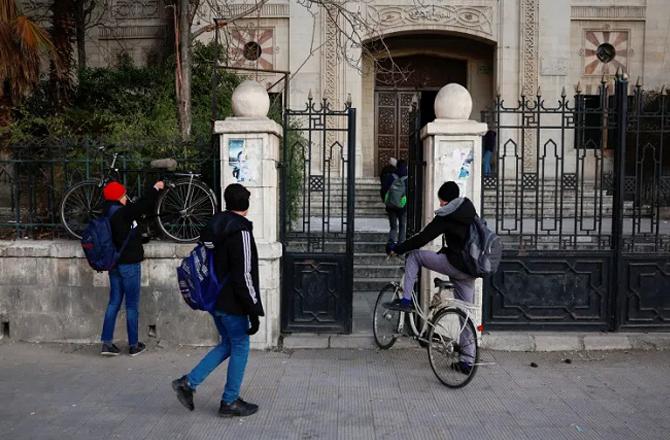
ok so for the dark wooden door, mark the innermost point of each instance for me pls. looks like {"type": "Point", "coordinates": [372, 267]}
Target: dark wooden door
{"type": "Point", "coordinates": [392, 124]}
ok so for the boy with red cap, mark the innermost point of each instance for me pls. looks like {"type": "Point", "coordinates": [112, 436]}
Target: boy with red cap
{"type": "Point", "coordinates": [125, 278]}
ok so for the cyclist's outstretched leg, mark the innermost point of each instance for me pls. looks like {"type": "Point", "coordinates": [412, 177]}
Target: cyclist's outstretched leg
{"type": "Point", "coordinates": [415, 261]}
{"type": "Point", "coordinates": [464, 289]}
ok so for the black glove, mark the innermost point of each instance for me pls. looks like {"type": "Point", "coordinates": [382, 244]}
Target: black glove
{"type": "Point", "coordinates": [255, 323]}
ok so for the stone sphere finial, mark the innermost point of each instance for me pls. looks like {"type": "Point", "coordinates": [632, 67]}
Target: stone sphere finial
{"type": "Point", "coordinates": [453, 101]}
{"type": "Point", "coordinates": [250, 99]}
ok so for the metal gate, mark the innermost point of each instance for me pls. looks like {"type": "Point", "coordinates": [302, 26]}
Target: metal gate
{"type": "Point", "coordinates": [580, 194]}
{"type": "Point", "coordinates": [317, 218]}
{"type": "Point", "coordinates": [415, 171]}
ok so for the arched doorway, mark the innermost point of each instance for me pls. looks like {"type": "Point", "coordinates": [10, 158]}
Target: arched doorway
{"type": "Point", "coordinates": [413, 67]}
{"type": "Point", "coordinates": [400, 83]}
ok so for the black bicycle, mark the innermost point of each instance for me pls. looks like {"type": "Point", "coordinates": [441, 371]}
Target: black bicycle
{"type": "Point", "coordinates": [182, 209]}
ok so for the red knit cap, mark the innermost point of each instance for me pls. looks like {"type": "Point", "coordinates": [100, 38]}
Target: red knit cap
{"type": "Point", "coordinates": [113, 191]}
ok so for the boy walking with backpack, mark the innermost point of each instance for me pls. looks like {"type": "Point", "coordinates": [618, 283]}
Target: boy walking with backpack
{"type": "Point", "coordinates": [238, 306]}
{"type": "Point", "coordinates": [125, 274]}
{"type": "Point", "coordinates": [394, 188]}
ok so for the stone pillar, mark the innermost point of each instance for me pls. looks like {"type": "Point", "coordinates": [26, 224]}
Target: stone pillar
{"type": "Point", "coordinates": [452, 148]}
{"type": "Point", "coordinates": [249, 143]}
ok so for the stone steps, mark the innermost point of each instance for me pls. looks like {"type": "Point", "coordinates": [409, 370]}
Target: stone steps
{"type": "Point", "coordinates": [372, 269]}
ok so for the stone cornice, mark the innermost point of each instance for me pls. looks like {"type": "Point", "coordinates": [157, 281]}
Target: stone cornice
{"type": "Point", "coordinates": [468, 18]}
{"type": "Point", "coordinates": [608, 12]}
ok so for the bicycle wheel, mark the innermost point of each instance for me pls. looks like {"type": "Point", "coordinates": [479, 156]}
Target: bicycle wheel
{"type": "Point", "coordinates": [452, 349]}
{"type": "Point", "coordinates": [81, 203]}
{"type": "Point", "coordinates": [184, 209]}
{"type": "Point", "coordinates": [385, 322]}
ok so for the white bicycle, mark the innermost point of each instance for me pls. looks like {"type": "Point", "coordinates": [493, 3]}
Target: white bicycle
{"type": "Point", "coordinates": [444, 326]}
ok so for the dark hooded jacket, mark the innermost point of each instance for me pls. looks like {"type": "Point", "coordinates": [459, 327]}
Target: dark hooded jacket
{"type": "Point", "coordinates": [387, 181]}
{"type": "Point", "coordinates": [387, 172]}
{"type": "Point", "coordinates": [126, 220]}
{"type": "Point", "coordinates": [453, 222]}
{"type": "Point", "coordinates": [235, 257]}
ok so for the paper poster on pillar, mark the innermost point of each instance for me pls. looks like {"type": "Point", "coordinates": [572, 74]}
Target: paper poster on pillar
{"type": "Point", "coordinates": [456, 164]}
{"type": "Point", "coordinates": [244, 160]}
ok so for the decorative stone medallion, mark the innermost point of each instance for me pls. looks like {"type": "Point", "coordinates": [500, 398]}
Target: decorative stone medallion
{"type": "Point", "coordinates": [605, 52]}
{"type": "Point", "coordinates": [252, 47]}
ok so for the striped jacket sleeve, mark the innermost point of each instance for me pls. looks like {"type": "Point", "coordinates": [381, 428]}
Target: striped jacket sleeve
{"type": "Point", "coordinates": [241, 261]}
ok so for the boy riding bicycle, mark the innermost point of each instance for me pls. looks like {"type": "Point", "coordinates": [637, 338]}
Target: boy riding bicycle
{"type": "Point", "coordinates": [452, 220]}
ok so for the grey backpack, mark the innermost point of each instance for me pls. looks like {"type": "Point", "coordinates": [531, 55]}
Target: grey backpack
{"type": "Point", "coordinates": [396, 196]}
{"type": "Point", "coordinates": [483, 250]}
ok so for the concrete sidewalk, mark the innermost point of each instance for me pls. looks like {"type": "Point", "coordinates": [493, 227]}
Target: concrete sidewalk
{"type": "Point", "coordinates": [70, 392]}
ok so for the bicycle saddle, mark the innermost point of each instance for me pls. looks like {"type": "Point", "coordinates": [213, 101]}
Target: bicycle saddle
{"type": "Point", "coordinates": [443, 284]}
{"type": "Point", "coordinates": [165, 164]}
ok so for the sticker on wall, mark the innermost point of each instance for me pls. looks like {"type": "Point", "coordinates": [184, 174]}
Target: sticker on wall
{"type": "Point", "coordinates": [237, 160]}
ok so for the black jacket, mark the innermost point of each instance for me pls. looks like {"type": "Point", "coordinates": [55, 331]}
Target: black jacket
{"type": "Point", "coordinates": [235, 257]}
{"type": "Point", "coordinates": [127, 218]}
{"type": "Point", "coordinates": [387, 172]}
{"type": "Point", "coordinates": [453, 221]}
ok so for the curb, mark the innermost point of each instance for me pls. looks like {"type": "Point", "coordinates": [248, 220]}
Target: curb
{"type": "Point", "coordinates": [500, 341]}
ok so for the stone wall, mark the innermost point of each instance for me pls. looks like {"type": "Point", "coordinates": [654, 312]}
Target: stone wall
{"type": "Point", "coordinates": [48, 293]}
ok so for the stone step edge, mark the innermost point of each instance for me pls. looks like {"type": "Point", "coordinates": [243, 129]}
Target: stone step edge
{"type": "Point", "coordinates": [500, 341]}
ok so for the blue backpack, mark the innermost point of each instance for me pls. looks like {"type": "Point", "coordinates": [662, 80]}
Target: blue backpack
{"type": "Point", "coordinates": [198, 283]}
{"type": "Point", "coordinates": [98, 245]}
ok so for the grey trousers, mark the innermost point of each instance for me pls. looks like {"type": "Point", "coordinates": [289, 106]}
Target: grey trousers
{"type": "Point", "coordinates": [398, 226]}
{"type": "Point", "coordinates": [464, 287]}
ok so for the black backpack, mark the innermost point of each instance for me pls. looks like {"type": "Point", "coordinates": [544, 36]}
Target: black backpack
{"type": "Point", "coordinates": [482, 251]}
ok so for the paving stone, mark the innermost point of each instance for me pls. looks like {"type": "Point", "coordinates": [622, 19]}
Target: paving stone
{"type": "Point", "coordinates": [566, 342]}
{"type": "Point", "coordinates": [607, 342]}
{"type": "Point", "coordinates": [334, 394]}
{"type": "Point", "coordinates": [306, 341]}
{"type": "Point", "coordinates": [352, 341]}
{"type": "Point", "coordinates": [508, 342]}
{"type": "Point", "coordinates": [650, 341]}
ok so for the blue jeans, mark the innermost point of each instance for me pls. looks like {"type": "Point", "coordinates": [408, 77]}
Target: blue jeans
{"type": "Point", "coordinates": [398, 225]}
{"type": "Point", "coordinates": [486, 160]}
{"type": "Point", "coordinates": [124, 280]}
{"type": "Point", "coordinates": [234, 345]}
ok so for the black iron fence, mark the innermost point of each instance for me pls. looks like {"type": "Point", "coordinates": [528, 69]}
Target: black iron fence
{"type": "Point", "coordinates": [317, 217]}
{"type": "Point", "coordinates": [579, 193]}
{"type": "Point", "coordinates": [34, 178]}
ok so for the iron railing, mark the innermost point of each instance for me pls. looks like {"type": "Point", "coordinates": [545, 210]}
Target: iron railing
{"type": "Point", "coordinates": [34, 178]}
{"type": "Point", "coordinates": [556, 171]}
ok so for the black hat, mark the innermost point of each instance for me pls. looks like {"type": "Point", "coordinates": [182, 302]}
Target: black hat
{"type": "Point", "coordinates": [236, 197]}
{"type": "Point", "coordinates": [448, 191]}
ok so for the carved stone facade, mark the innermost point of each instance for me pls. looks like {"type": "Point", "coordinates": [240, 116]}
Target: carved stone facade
{"type": "Point", "coordinates": [529, 59]}
{"type": "Point", "coordinates": [474, 19]}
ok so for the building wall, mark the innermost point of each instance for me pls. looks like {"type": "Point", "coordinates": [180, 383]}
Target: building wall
{"type": "Point", "coordinates": [536, 43]}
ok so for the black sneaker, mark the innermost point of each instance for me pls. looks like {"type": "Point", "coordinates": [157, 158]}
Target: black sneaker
{"type": "Point", "coordinates": [400, 305]}
{"type": "Point", "coordinates": [137, 349]}
{"type": "Point", "coordinates": [462, 367]}
{"type": "Point", "coordinates": [238, 408]}
{"type": "Point", "coordinates": [184, 392]}
{"type": "Point", "coordinates": [109, 350]}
